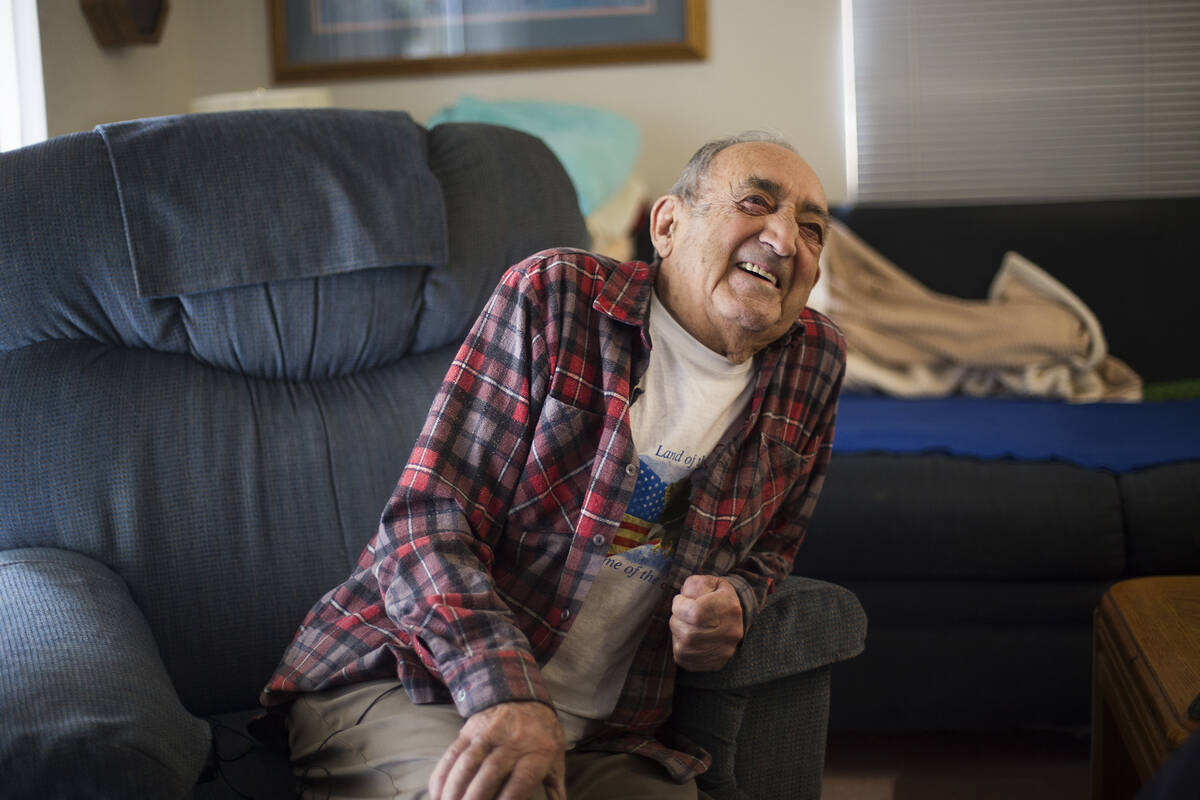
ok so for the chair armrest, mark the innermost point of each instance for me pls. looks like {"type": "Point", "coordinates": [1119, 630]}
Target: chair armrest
{"type": "Point", "coordinates": [764, 716]}
{"type": "Point", "coordinates": [88, 707]}
{"type": "Point", "coordinates": [805, 624]}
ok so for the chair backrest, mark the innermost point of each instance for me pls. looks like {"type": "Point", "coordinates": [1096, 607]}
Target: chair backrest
{"type": "Point", "coordinates": [219, 336]}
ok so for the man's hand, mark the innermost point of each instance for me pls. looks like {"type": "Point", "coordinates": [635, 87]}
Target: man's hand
{"type": "Point", "coordinates": [504, 752]}
{"type": "Point", "coordinates": [706, 623]}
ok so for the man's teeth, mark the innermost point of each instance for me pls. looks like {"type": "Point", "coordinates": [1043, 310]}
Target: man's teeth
{"type": "Point", "coordinates": [754, 269]}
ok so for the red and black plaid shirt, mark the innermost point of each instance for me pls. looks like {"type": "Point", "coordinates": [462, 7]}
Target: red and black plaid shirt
{"type": "Point", "coordinates": [517, 485]}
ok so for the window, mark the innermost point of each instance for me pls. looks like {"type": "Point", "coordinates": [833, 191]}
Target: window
{"type": "Point", "coordinates": [962, 100]}
{"type": "Point", "coordinates": [22, 98]}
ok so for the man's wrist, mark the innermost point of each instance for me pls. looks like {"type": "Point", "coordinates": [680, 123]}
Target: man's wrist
{"type": "Point", "coordinates": [510, 676]}
{"type": "Point", "coordinates": [747, 597]}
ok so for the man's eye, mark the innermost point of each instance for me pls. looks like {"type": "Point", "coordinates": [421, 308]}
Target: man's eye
{"type": "Point", "coordinates": [814, 232]}
{"type": "Point", "coordinates": [756, 204]}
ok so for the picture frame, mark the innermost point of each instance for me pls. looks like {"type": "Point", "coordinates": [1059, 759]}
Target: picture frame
{"type": "Point", "coordinates": [328, 39]}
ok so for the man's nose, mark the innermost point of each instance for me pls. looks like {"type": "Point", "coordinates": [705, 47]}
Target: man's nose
{"type": "Point", "coordinates": [780, 233]}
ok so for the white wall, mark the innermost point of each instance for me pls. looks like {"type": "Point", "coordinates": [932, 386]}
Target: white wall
{"type": "Point", "coordinates": [87, 85]}
{"type": "Point", "coordinates": [772, 64]}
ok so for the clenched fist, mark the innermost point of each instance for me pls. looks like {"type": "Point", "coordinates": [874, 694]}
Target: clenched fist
{"type": "Point", "coordinates": [706, 623]}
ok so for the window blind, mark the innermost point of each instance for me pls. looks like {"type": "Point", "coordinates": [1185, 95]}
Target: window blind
{"type": "Point", "coordinates": [977, 100]}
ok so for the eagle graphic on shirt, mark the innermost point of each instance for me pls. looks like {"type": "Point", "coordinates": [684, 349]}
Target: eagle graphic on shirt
{"type": "Point", "coordinates": [652, 524]}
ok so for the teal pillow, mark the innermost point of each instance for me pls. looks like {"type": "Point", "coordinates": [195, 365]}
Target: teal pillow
{"type": "Point", "coordinates": [597, 148]}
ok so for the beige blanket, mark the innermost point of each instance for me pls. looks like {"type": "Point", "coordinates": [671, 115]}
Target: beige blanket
{"type": "Point", "coordinates": [1032, 336]}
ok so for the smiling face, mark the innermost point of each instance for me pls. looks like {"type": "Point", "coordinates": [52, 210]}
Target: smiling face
{"type": "Point", "coordinates": [739, 261]}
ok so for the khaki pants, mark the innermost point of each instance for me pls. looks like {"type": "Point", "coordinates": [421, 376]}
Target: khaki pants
{"type": "Point", "coordinates": [368, 740]}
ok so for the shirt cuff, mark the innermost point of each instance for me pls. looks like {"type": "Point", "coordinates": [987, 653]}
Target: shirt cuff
{"type": "Point", "coordinates": [496, 677]}
{"type": "Point", "coordinates": [749, 598]}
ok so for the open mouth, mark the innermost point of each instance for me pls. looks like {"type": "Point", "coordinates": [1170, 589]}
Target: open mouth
{"type": "Point", "coordinates": [757, 272]}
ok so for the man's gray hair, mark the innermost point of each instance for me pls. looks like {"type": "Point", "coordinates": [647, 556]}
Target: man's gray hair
{"type": "Point", "coordinates": [693, 175]}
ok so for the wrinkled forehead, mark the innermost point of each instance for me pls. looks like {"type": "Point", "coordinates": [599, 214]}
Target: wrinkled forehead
{"type": "Point", "coordinates": [767, 167]}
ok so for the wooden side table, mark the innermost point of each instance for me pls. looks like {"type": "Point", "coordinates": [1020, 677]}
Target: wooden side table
{"type": "Point", "coordinates": [1145, 674]}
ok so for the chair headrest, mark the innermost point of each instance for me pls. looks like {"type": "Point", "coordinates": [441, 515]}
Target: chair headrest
{"type": "Point", "coordinates": [273, 204]}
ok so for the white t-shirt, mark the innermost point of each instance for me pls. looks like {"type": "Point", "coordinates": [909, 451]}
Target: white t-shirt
{"type": "Point", "coordinates": [690, 397]}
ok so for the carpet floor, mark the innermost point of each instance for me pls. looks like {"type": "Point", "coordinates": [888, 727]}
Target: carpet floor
{"type": "Point", "coordinates": [1027, 765]}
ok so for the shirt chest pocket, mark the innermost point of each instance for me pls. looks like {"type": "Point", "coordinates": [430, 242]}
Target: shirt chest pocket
{"type": "Point", "coordinates": [558, 471]}
{"type": "Point", "coordinates": [766, 479]}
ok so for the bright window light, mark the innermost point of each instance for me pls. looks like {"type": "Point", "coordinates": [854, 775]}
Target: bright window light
{"type": "Point", "coordinates": [22, 96]}
{"type": "Point", "coordinates": [850, 112]}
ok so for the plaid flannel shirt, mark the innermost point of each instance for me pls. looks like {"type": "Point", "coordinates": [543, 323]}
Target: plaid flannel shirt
{"type": "Point", "coordinates": [517, 485]}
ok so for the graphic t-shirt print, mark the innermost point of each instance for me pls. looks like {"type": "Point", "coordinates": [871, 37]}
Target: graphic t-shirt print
{"type": "Point", "coordinates": [650, 529]}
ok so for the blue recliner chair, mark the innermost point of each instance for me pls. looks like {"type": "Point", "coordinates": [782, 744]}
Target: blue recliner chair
{"type": "Point", "coordinates": [219, 336]}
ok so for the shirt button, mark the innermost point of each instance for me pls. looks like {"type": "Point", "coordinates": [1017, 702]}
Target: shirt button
{"type": "Point", "coordinates": [566, 613]}
{"type": "Point", "coordinates": [462, 694]}
{"type": "Point", "coordinates": [631, 470]}
{"type": "Point", "coordinates": [598, 539]}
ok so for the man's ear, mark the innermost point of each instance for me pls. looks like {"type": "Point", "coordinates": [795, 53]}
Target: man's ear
{"type": "Point", "coordinates": [663, 215]}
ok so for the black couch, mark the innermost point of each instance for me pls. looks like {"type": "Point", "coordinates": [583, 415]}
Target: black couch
{"type": "Point", "coordinates": [980, 576]}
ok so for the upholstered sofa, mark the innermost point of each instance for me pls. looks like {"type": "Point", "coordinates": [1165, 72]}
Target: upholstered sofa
{"type": "Point", "coordinates": [219, 336]}
{"type": "Point", "coordinates": [980, 533]}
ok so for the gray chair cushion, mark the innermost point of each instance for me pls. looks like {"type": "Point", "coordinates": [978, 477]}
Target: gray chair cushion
{"type": "Point", "coordinates": [277, 200]}
{"type": "Point", "coordinates": [87, 706]}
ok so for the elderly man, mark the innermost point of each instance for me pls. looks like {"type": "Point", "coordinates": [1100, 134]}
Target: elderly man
{"type": "Point", "coordinates": [620, 463]}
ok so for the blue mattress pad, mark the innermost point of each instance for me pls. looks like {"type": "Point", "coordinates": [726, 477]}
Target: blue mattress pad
{"type": "Point", "coordinates": [1120, 437]}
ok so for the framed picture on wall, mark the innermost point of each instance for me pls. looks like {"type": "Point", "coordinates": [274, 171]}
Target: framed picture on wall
{"type": "Point", "coordinates": [322, 39]}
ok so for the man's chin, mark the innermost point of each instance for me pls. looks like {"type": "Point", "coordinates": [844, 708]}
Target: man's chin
{"type": "Point", "coordinates": [752, 334]}
{"type": "Point", "coordinates": [755, 318]}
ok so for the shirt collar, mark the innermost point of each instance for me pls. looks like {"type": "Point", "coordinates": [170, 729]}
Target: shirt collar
{"type": "Point", "coordinates": [626, 293]}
